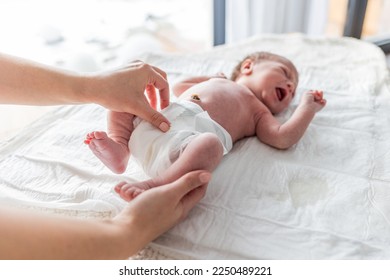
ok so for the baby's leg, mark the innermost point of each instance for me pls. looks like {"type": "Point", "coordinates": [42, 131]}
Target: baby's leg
{"type": "Point", "coordinates": [112, 149]}
{"type": "Point", "coordinates": [204, 152]}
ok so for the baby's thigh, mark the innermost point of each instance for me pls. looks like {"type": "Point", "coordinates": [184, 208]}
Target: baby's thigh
{"type": "Point", "coordinates": [204, 151]}
{"type": "Point", "coordinates": [206, 143]}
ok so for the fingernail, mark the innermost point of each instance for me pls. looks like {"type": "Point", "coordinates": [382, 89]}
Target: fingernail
{"type": "Point", "coordinates": [205, 177]}
{"type": "Point", "coordinates": [164, 127]}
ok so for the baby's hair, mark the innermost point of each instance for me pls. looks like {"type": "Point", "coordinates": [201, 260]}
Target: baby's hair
{"type": "Point", "coordinates": [258, 57]}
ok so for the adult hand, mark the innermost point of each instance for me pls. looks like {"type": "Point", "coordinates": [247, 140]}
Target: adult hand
{"type": "Point", "coordinates": [31, 235]}
{"type": "Point", "coordinates": [158, 209]}
{"type": "Point", "coordinates": [123, 90]}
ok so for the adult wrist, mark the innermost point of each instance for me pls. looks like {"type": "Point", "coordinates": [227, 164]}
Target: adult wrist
{"type": "Point", "coordinates": [84, 89]}
{"type": "Point", "coordinates": [130, 235]}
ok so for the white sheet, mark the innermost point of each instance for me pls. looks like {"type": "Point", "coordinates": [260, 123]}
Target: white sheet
{"type": "Point", "coordinates": [325, 198]}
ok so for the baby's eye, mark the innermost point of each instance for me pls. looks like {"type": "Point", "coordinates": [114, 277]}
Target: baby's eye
{"type": "Point", "coordinates": [286, 72]}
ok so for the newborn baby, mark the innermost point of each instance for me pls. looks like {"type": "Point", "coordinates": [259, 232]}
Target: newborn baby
{"type": "Point", "coordinates": [210, 115]}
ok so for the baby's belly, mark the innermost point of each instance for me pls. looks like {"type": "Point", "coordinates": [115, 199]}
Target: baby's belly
{"type": "Point", "coordinates": [231, 114]}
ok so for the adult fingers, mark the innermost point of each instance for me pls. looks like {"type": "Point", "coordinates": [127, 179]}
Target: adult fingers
{"type": "Point", "coordinates": [192, 198]}
{"type": "Point", "coordinates": [160, 82]}
{"type": "Point", "coordinates": [151, 93]}
{"type": "Point", "coordinates": [190, 189]}
{"type": "Point", "coordinates": [164, 98]}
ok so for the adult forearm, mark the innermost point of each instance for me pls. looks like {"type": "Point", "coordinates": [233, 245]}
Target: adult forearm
{"type": "Point", "coordinates": [33, 236]}
{"type": "Point", "coordinates": [30, 83]}
{"type": "Point", "coordinates": [26, 235]}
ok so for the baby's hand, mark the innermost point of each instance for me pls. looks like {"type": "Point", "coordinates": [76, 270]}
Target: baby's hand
{"type": "Point", "coordinates": [314, 100]}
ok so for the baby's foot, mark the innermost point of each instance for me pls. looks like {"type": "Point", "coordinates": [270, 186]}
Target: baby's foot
{"type": "Point", "coordinates": [113, 155]}
{"type": "Point", "coordinates": [129, 191]}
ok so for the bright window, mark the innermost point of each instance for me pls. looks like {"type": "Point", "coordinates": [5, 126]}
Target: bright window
{"type": "Point", "coordinates": [92, 34]}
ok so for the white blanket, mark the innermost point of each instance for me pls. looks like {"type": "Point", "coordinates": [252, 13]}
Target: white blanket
{"type": "Point", "coordinates": [328, 197]}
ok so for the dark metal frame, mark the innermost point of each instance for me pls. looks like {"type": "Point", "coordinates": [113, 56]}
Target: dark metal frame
{"type": "Point", "coordinates": [354, 24]}
{"type": "Point", "coordinates": [219, 22]}
{"type": "Point", "coordinates": [355, 18]}
{"type": "Point", "coordinates": [384, 44]}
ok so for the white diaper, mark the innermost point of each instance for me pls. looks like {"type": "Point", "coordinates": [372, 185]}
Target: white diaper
{"type": "Point", "coordinates": [156, 151]}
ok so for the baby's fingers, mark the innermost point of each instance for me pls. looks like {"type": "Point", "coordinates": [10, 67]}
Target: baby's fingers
{"type": "Point", "coordinates": [322, 102]}
{"type": "Point", "coordinates": [318, 95]}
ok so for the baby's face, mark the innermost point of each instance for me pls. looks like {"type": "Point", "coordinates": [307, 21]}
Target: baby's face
{"type": "Point", "coordinates": [274, 83]}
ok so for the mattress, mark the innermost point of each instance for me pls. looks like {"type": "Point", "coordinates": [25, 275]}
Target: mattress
{"type": "Point", "coordinates": [327, 197]}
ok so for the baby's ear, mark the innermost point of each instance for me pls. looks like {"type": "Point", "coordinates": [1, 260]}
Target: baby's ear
{"type": "Point", "coordinates": [246, 67]}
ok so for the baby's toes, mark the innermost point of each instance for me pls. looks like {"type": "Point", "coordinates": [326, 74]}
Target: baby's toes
{"type": "Point", "coordinates": [126, 191]}
{"type": "Point", "coordinates": [100, 135]}
{"type": "Point", "coordinates": [130, 193]}
{"type": "Point", "coordinates": [118, 187]}
{"type": "Point", "coordinates": [137, 192]}
{"type": "Point", "coordinates": [88, 139]}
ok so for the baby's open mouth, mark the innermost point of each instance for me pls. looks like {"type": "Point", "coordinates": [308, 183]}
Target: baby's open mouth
{"type": "Point", "coordinates": [281, 93]}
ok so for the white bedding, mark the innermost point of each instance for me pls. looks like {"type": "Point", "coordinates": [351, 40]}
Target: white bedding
{"type": "Point", "coordinates": [328, 197]}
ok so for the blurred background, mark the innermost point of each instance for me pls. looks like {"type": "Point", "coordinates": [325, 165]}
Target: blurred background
{"type": "Point", "coordinates": [93, 35]}
{"type": "Point", "coordinates": [89, 35]}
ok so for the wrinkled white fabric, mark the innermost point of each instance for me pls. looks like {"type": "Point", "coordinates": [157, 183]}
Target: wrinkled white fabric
{"type": "Point", "coordinates": [325, 198]}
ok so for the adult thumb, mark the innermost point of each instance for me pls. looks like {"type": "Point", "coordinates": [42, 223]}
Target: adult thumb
{"type": "Point", "coordinates": [192, 190]}
{"type": "Point", "coordinates": [156, 119]}
{"type": "Point", "coordinates": [190, 181]}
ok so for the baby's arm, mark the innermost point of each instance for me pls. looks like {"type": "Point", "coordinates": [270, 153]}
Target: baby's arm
{"type": "Point", "coordinates": [185, 84]}
{"type": "Point", "coordinates": [283, 136]}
